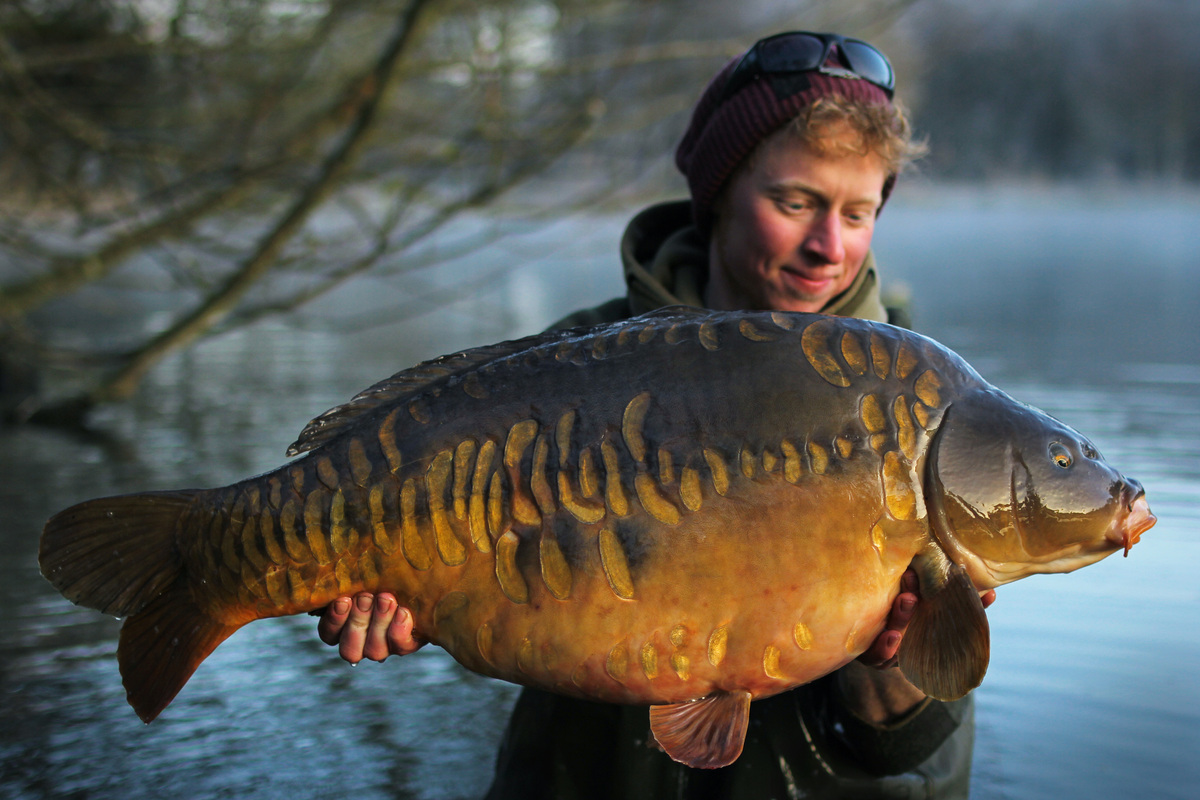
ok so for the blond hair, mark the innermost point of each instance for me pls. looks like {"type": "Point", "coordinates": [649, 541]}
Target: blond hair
{"type": "Point", "coordinates": [880, 129]}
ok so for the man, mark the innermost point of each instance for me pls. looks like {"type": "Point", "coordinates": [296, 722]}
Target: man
{"type": "Point", "coordinates": [789, 157]}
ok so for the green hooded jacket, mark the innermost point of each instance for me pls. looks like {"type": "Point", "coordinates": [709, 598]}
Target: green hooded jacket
{"type": "Point", "coordinates": [666, 263]}
{"type": "Point", "coordinates": [804, 743]}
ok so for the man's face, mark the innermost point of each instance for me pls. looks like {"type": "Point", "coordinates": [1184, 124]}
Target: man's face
{"type": "Point", "coordinates": [794, 228]}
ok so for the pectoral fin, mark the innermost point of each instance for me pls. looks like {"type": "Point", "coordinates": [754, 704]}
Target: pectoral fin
{"type": "Point", "coordinates": [705, 733]}
{"type": "Point", "coordinates": [946, 648]}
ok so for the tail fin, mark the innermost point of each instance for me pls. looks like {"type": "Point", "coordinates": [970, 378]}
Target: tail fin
{"type": "Point", "coordinates": [162, 645]}
{"type": "Point", "coordinates": [115, 554]}
{"type": "Point", "coordinates": [119, 555]}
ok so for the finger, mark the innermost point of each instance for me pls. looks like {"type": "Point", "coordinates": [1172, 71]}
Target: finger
{"type": "Point", "coordinates": [375, 646]}
{"type": "Point", "coordinates": [399, 634]}
{"type": "Point", "coordinates": [884, 650]}
{"type": "Point", "coordinates": [333, 618]}
{"type": "Point", "coordinates": [988, 597]}
{"type": "Point", "coordinates": [354, 633]}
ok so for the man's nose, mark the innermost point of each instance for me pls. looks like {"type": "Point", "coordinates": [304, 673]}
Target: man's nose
{"type": "Point", "coordinates": [824, 239]}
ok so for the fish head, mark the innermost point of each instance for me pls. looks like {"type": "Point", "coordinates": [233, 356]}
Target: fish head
{"type": "Point", "coordinates": [1016, 492]}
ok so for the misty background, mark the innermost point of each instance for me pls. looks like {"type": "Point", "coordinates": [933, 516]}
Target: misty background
{"type": "Point", "coordinates": [176, 169]}
{"type": "Point", "coordinates": [221, 217]}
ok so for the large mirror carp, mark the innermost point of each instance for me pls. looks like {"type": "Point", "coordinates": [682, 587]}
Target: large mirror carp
{"type": "Point", "coordinates": [687, 510]}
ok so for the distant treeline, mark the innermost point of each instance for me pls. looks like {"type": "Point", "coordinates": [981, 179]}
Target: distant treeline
{"type": "Point", "coordinates": [1082, 89]}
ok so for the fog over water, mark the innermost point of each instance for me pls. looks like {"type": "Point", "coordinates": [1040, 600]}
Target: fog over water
{"type": "Point", "coordinates": [1080, 302]}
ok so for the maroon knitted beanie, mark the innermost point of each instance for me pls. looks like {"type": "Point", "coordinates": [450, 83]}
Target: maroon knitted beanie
{"type": "Point", "coordinates": [720, 136]}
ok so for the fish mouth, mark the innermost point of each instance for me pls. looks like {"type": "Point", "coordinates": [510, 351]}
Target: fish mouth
{"type": "Point", "coordinates": [1134, 519]}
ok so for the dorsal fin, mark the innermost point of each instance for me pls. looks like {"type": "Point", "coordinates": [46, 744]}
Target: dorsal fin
{"type": "Point", "coordinates": [678, 310]}
{"type": "Point", "coordinates": [705, 733]}
{"type": "Point", "coordinates": [410, 382]}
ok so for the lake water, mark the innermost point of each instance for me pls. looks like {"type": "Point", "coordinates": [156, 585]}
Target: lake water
{"type": "Point", "coordinates": [1082, 303]}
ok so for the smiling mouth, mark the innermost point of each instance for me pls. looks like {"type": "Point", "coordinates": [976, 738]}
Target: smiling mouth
{"type": "Point", "coordinates": [809, 278]}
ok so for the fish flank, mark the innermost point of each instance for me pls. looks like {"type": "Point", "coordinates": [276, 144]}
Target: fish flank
{"type": "Point", "coordinates": [881, 357]}
{"type": "Point", "coordinates": [616, 663]}
{"type": "Point", "coordinates": [802, 636]}
{"type": "Point", "coordinates": [614, 492]}
{"type": "Point", "coordinates": [418, 409]}
{"type": "Point", "coordinates": [906, 361]}
{"type": "Point", "coordinates": [437, 478]}
{"type": "Point", "coordinates": [389, 444]}
{"type": "Point", "coordinates": [653, 501]}
{"type": "Point", "coordinates": [770, 663]}
{"type": "Point", "coordinates": [556, 573]}
{"type": "Point", "coordinates": [314, 524]}
{"type": "Point", "coordinates": [326, 473]}
{"type": "Point", "coordinates": [632, 422]}
{"type": "Point", "coordinates": [414, 544]}
{"type": "Point", "coordinates": [718, 471]}
{"type": "Point", "coordinates": [718, 645]}
{"type": "Point", "coordinates": [649, 659]}
{"type": "Point", "coordinates": [478, 504]}
{"type": "Point", "coordinates": [520, 437]}
{"type": "Point", "coordinates": [927, 387]}
{"type": "Point", "coordinates": [906, 432]}
{"type": "Point", "coordinates": [464, 462]}
{"type": "Point", "coordinates": [690, 490]}
{"type": "Point", "coordinates": [814, 341]}
{"type": "Point", "coordinates": [753, 333]}
{"type": "Point", "coordinates": [853, 354]}
{"type": "Point", "coordinates": [615, 564]}
{"type": "Point", "coordinates": [818, 458]}
{"type": "Point", "coordinates": [289, 517]}
{"type": "Point", "coordinates": [508, 574]}
{"type": "Point", "coordinates": [539, 486]}
{"type": "Point", "coordinates": [793, 466]}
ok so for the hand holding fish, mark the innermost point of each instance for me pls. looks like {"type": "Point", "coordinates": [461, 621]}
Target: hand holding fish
{"type": "Point", "coordinates": [368, 626]}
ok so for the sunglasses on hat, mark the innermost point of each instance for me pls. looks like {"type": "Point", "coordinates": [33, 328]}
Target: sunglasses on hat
{"type": "Point", "coordinates": [802, 51]}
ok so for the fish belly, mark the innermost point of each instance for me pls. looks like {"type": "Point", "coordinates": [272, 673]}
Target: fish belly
{"type": "Point", "coordinates": [771, 588]}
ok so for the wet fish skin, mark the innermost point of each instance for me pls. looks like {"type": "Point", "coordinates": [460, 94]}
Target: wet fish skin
{"type": "Point", "coordinates": [676, 507]}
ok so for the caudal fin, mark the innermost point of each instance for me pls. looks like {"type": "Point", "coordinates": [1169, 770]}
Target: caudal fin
{"type": "Point", "coordinates": [162, 645]}
{"type": "Point", "coordinates": [115, 554]}
{"type": "Point", "coordinates": [119, 555]}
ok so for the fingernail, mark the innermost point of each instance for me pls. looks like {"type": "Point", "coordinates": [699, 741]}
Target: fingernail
{"type": "Point", "coordinates": [402, 616]}
{"type": "Point", "coordinates": [906, 604]}
{"type": "Point", "coordinates": [364, 602]}
{"type": "Point", "coordinates": [385, 604]}
{"type": "Point", "coordinates": [341, 605]}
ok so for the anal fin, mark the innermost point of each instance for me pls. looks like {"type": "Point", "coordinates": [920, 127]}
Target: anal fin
{"type": "Point", "coordinates": [705, 733]}
{"type": "Point", "coordinates": [947, 645]}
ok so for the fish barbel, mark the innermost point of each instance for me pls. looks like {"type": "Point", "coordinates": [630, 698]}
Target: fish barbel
{"type": "Point", "coordinates": [687, 510]}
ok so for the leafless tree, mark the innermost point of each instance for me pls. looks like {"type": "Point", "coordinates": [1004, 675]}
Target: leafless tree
{"type": "Point", "coordinates": [240, 158]}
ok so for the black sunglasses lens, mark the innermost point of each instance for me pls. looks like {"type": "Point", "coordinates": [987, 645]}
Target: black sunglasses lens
{"type": "Point", "coordinates": [793, 53]}
{"type": "Point", "coordinates": [868, 63]}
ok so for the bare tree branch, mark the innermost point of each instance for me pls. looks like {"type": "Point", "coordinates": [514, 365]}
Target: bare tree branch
{"type": "Point", "coordinates": [222, 302]}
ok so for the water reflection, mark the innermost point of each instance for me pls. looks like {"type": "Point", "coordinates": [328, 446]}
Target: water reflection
{"type": "Point", "coordinates": [1090, 692]}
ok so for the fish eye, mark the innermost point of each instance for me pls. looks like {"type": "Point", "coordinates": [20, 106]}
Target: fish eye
{"type": "Point", "coordinates": [1060, 455]}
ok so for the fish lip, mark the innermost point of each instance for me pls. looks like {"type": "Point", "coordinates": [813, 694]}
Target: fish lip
{"type": "Point", "coordinates": [1133, 519]}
